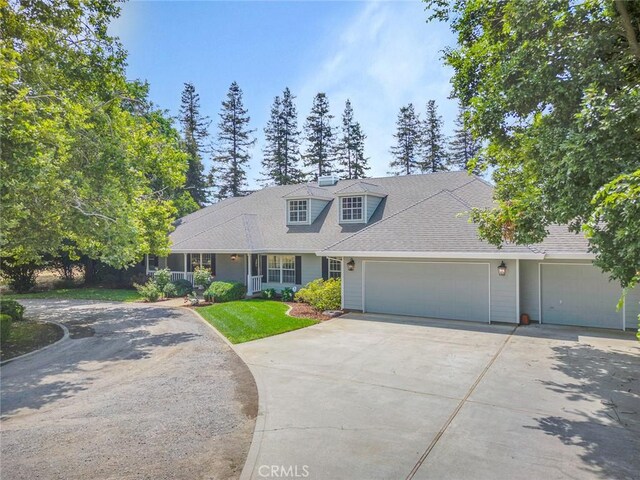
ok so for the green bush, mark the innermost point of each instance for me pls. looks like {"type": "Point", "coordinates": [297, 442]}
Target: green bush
{"type": "Point", "coordinates": [220, 292]}
{"type": "Point", "coordinates": [287, 294]}
{"type": "Point", "coordinates": [170, 290]}
{"type": "Point", "coordinates": [202, 277]}
{"type": "Point", "coordinates": [183, 287]}
{"type": "Point", "coordinates": [5, 327]}
{"type": "Point", "coordinates": [149, 291]}
{"type": "Point", "coordinates": [269, 293]}
{"type": "Point", "coordinates": [13, 309]}
{"type": "Point", "coordinates": [162, 278]}
{"type": "Point", "coordinates": [322, 294]}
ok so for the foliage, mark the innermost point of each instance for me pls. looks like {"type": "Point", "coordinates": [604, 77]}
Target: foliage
{"type": "Point", "coordinates": [85, 160]}
{"type": "Point", "coordinates": [406, 151]}
{"type": "Point", "coordinates": [269, 293]}
{"type": "Point", "coordinates": [150, 291]}
{"type": "Point", "coordinates": [103, 294]}
{"type": "Point", "coordinates": [202, 277]}
{"type": "Point", "coordinates": [552, 87]}
{"type": "Point", "coordinates": [170, 290]}
{"type": "Point", "coordinates": [12, 308]}
{"type": "Point", "coordinates": [280, 164]}
{"type": "Point", "coordinates": [194, 133]}
{"type": "Point", "coordinates": [183, 287]}
{"type": "Point", "coordinates": [246, 320]}
{"type": "Point", "coordinates": [234, 141]}
{"type": "Point", "coordinates": [5, 327]}
{"type": "Point", "coordinates": [287, 294]}
{"type": "Point", "coordinates": [350, 148]}
{"type": "Point", "coordinates": [434, 155]}
{"type": "Point", "coordinates": [221, 292]}
{"type": "Point", "coordinates": [162, 277]}
{"type": "Point", "coordinates": [463, 147]}
{"type": "Point", "coordinates": [320, 135]}
{"type": "Point", "coordinates": [322, 294]}
{"type": "Point", "coordinates": [21, 277]}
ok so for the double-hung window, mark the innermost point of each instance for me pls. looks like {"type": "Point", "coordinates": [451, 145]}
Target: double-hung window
{"type": "Point", "coordinates": [335, 268]}
{"type": "Point", "coordinates": [199, 261]}
{"type": "Point", "coordinates": [298, 211]}
{"type": "Point", "coordinates": [352, 209]}
{"type": "Point", "coordinates": [281, 269]}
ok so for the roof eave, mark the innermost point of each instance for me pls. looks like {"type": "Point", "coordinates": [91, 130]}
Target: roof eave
{"type": "Point", "coordinates": [497, 255]}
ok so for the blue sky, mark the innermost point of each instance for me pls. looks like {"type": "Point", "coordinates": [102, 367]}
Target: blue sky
{"type": "Point", "coordinates": [381, 55]}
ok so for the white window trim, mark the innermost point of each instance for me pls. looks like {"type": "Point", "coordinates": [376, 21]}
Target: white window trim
{"type": "Point", "coordinates": [364, 210]}
{"type": "Point", "coordinates": [306, 201]}
{"type": "Point", "coordinates": [335, 270]}
{"type": "Point", "coordinates": [280, 269]}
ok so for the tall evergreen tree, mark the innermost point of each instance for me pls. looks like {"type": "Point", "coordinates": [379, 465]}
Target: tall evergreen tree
{"type": "Point", "coordinates": [233, 144]}
{"type": "Point", "coordinates": [406, 151]}
{"type": "Point", "coordinates": [194, 131]}
{"type": "Point", "coordinates": [320, 137]}
{"type": "Point", "coordinates": [434, 153]}
{"type": "Point", "coordinates": [350, 149]}
{"type": "Point", "coordinates": [282, 150]}
{"type": "Point", "coordinates": [463, 148]}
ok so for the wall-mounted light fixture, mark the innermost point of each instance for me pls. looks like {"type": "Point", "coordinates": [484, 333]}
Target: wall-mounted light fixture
{"type": "Point", "coordinates": [502, 269]}
{"type": "Point", "coordinates": [234, 257]}
{"type": "Point", "coordinates": [351, 265]}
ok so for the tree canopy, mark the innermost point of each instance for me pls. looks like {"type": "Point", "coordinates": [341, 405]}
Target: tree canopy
{"type": "Point", "coordinates": [553, 86]}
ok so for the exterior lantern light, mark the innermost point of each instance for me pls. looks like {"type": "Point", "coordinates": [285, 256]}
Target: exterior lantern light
{"type": "Point", "coordinates": [234, 257]}
{"type": "Point", "coordinates": [502, 269]}
{"type": "Point", "coordinates": [351, 265]}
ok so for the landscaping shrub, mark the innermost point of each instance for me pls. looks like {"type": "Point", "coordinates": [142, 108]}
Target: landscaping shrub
{"type": "Point", "coordinates": [322, 294]}
{"type": "Point", "coordinates": [183, 287]}
{"type": "Point", "coordinates": [20, 278]}
{"type": "Point", "coordinates": [269, 293]}
{"type": "Point", "coordinates": [220, 292]}
{"type": "Point", "coordinates": [202, 277]}
{"type": "Point", "coordinates": [162, 278]}
{"type": "Point", "coordinates": [13, 309]}
{"type": "Point", "coordinates": [149, 291]}
{"type": "Point", "coordinates": [287, 294]}
{"type": "Point", "coordinates": [170, 290]}
{"type": "Point", "coordinates": [5, 327]}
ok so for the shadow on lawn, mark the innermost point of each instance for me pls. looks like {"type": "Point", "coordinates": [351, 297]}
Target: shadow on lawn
{"type": "Point", "coordinates": [608, 438]}
{"type": "Point", "coordinates": [99, 334]}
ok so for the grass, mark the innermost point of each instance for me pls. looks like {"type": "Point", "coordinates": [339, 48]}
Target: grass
{"type": "Point", "coordinates": [27, 336]}
{"type": "Point", "coordinates": [104, 294]}
{"type": "Point", "coordinates": [245, 320]}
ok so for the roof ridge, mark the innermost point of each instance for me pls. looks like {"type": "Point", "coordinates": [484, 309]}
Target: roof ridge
{"type": "Point", "coordinates": [210, 228]}
{"type": "Point", "coordinates": [217, 209]}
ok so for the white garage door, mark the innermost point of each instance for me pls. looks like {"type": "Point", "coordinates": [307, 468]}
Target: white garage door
{"type": "Point", "coordinates": [579, 295]}
{"type": "Point", "coordinates": [457, 291]}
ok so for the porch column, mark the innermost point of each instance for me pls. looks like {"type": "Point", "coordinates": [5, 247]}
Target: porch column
{"type": "Point", "coordinates": [247, 265]}
{"type": "Point", "coordinates": [146, 264]}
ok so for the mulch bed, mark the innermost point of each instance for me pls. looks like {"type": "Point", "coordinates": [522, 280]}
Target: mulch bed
{"type": "Point", "coordinates": [304, 310]}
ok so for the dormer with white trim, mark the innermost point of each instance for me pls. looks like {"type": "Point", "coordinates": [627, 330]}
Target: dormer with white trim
{"type": "Point", "coordinates": [358, 202]}
{"type": "Point", "coordinates": [305, 204]}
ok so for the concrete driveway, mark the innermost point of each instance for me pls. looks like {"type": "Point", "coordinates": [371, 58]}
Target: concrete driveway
{"type": "Point", "coordinates": [137, 392]}
{"type": "Point", "coordinates": [377, 397]}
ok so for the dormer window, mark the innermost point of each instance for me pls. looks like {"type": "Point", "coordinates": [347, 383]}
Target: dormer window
{"type": "Point", "coordinates": [352, 209]}
{"type": "Point", "coordinates": [298, 212]}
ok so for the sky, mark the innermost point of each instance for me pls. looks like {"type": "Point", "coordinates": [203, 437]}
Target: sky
{"type": "Point", "coordinates": [379, 54]}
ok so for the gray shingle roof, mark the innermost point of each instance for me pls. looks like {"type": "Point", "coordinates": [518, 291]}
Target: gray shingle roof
{"type": "Point", "coordinates": [362, 187]}
{"type": "Point", "coordinates": [419, 213]}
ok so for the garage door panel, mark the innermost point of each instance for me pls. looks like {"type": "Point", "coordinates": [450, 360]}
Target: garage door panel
{"type": "Point", "coordinates": [579, 295]}
{"type": "Point", "coordinates": [454, 291]}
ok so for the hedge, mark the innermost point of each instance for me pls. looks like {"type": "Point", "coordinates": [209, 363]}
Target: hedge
{"type": "Point", "coordinates": [221, 292]}
{"type": "Point", "coordinates": [13, 309]}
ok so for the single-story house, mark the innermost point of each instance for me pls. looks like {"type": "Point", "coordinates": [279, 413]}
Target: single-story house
{"type": "Point", "coordinates": [402, 245]}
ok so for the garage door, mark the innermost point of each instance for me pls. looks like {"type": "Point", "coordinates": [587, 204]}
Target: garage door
{"type": "Point", "coordinates": [457, 291]}
{"type": "Point", "coordinates": [579, 295]}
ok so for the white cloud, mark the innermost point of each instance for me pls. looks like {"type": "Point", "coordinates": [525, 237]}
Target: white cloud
{"type": "Point", "coordinates": [385, 57]}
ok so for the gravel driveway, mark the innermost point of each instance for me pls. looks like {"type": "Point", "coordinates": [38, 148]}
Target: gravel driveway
{"type": "Point", "coordinates": [136, 392]}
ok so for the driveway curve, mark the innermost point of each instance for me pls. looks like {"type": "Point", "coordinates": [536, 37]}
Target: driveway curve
{"type": "Point", "coordinates": [137, 391]}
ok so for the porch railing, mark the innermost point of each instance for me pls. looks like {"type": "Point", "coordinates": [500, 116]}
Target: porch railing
{"type": "Point", "coordinates": [182, 275]}
{"type": "Point", "coordinates": [254, 284]}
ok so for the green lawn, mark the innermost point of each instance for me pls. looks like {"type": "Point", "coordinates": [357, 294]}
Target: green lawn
{"type": "Point", "coordinates": [106, 294]}
{"type": "Point", "coordinates": [25, 337]}
{"type": "Point", "coordinates": [245, 320]}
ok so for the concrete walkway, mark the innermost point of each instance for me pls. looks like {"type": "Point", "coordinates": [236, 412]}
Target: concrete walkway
{"type": "Point", "coordinates": [137, 392]}
{"type": "Point", "coordinates": [367, 397]}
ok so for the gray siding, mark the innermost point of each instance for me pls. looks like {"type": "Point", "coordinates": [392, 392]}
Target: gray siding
{"type": "Point", "coordinates": [529, 288]}
{"type": "Point", "coordinates": [315, 208]}
{"type": "Point", "coordinates": [372, 204]}
{"type": "Point", "coordinates": [311, 269]}
{"type": "Point", "coordinates": [632, 308]}
{"type": "Point", "coordinates": [228, 270]}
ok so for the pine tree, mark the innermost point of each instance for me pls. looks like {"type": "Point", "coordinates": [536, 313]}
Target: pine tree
{"type": "Point", "coordinates": [350, 149]}
{"type": "Point", "coordinates": [406, 151]}
{"type": "Point", "coordinates": [320, 137]}
{"type": "Point", "coordinates": [463, 148]}
{"type": "Point", "coordinates": [282, 150]}
{"type": "Point", "coordinates": [233, 144]}
{"type": "Point", "coordinates": [434, 154]}
{"type": "Point", "coordinates": [194, 132]}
